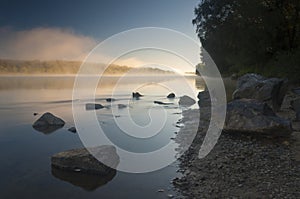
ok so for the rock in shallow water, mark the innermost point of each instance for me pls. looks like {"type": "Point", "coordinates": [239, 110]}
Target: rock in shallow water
{"type": "Point", "coordinates": [136, 95]}
{"type": "Point", "coordinates": [171, 95]}
{"type": "Point", "coordinates": [253, 116]}
{"type": "Point", "coordinates": [110, 99]}
{"type": "Point", "coordinates": [81, 160]}
{"type": "Point", "coordinates": [162, 103]}
{"type": "Point", "coordinates": [48, 123]}
{"type": "Point", "coordinates": [121, 106]}
{"type": "Point", "coordinates": [186, 101]}
{"type": "Point", "coordinates": [91, 106]}
{"type": "Point", "coordinates": [72, 129]}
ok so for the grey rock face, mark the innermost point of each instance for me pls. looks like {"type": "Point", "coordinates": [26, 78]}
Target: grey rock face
{"type": "Point", "coordinates": [186, 101]}
{"type": "Point", "coordinates": [48, 123]}
{"type": "Point", "coordinates": [253, 116]}
{"type": "Point", "coordinates": [82, 161]}
{"type": "Point", "coordinates": [91, 106]}
{"type": "Point", "coordinates": [269, 90]}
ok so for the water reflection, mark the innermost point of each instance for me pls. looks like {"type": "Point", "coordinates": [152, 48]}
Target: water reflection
{"type": "Point", "coordinates": [47, 129]}
{"type": "Point", "coordinates": [86, 181]}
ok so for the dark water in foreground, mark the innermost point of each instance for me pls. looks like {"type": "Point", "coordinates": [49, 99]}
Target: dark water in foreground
{"type": "Point", "coordinates": [25, 153]}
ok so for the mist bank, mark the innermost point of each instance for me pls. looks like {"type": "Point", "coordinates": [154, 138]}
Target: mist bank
{"type": "Point", "coordinates": [61, 67]}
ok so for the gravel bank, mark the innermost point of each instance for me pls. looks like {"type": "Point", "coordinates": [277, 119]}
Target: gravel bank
{"type": "Point", "coordinates": [241, 166]}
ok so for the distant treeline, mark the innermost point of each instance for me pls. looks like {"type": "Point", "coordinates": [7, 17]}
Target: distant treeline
{"type": "Point", "coordinates": [36, 67]}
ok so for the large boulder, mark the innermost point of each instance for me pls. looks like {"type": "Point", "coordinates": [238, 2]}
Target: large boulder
{"type": "Point", "coordinates": [48, 123]}
{"type": "Point", "coordinates": [81, 160]}
{"type": "Point", "coordinates": [269, 90]}
{"type": "Point", "coordinates": [255, 117]}
{"type": "Point", "coordinates": [186, 101]}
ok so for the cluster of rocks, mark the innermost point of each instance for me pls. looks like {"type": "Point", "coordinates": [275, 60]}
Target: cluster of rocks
{"type": "Point", "coordinates": [79, 160]}
{"type": "Point", "coordinates": [257, 156]}
{"type": "Point", "coordinates": [74, 164]}
{"type": "Point", "coordinates": [184, 101]}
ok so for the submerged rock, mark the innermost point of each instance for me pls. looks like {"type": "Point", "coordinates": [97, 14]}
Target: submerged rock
{"type": "Point", "coordinates": [91, 106]}
{"type": "Point", "coordinates": [186, 101]}
{"type": "Point", "coordinates": [255, 117]}
{"type": "Point", "coordinates": [269, 90]}
{"type": "Point", "coordinates": [120, 106]}
{"type": "Point", "coordinates": [48, 123]}
{"type": "Point", "coordinates": [82, 161]}
{"type": "Point", "coordinates": [171, 95]}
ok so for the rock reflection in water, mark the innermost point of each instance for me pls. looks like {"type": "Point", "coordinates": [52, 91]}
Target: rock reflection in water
{"type": "Point", "coordinates": [89, 182]}
{"type": "Point", "coordinates": [47, 129]}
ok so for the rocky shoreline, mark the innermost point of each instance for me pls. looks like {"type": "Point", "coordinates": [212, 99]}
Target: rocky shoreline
{"type": "Point", "coordinates": [242, 165]}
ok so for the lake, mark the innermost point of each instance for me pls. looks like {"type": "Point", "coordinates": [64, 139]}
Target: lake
{"type": "Point", "coordinates": [25, 153]}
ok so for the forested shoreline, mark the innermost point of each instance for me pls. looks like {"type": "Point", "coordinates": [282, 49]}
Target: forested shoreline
{"type": "Point", "coordinates": [260, 36]}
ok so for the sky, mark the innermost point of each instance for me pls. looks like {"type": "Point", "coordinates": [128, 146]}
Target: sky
{"type": "Point", "coordinates": [69, 29]}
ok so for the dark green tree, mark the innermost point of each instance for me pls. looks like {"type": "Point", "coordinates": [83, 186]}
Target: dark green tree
{"type": "Point", "coordinates": [251, 36]}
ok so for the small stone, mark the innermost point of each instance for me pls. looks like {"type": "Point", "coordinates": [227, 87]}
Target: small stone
{"type": "Point", "coordinates": [160, 190]}
{"type": "Point", "coordinates": [136, 95]}
{"type": "Point", "coordinates": [110, 99]}
{"type": "Point", "coordinates": [72, 129]}
{"type": "Point", "coordinates": [170, 196]}
{"type": "Point", "coordinates": [286, 143]}
{"type": "Point", "coordinates": [171, 95]}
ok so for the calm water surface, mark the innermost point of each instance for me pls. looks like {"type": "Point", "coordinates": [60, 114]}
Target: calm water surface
{"type": "Point", "coordinates": [25, 153]}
